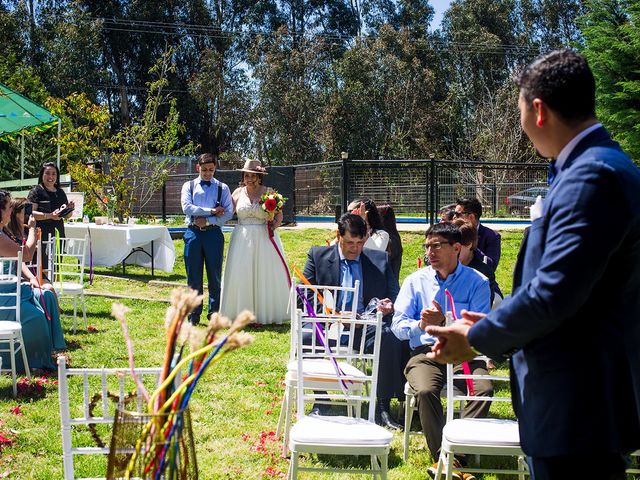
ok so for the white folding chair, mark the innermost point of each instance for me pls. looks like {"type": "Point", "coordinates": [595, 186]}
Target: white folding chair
{"type": "Point", "coordinates": [88, 399]}
{"type": "Point", "coordinates": [11, 341]}
{"type": "Point", "coordinates": [478, 436]}
{"type": "Point", "coordinates": [323, 301]}
{"type": "Point", "coordinates": [339, 435]}
{"type": "Point", "coordinates": [66, 267]}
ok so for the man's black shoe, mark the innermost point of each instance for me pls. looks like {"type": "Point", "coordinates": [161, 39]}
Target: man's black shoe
{"type": "Point", "coordinates": [386, 420]}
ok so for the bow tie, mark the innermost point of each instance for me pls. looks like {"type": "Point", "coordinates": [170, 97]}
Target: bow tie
{"type": "Point", "coordinates": [205, 182]}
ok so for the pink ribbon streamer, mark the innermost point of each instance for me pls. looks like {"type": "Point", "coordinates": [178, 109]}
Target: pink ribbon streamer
{"type": "Point", "coordinates": [275, 245]}
{"type": "Point", "coordinates": [465, 365]}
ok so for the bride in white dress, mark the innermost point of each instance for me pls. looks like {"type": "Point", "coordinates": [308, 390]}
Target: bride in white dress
{"type": "Point", "coordinates": [255, 277]}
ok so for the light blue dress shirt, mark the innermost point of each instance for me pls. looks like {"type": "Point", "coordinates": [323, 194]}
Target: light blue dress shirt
{"type": "Point", "coordinates": [199, 201]}
{"type": "Point", "coordinates": [469, 288]}
{"type": "Point", "coordinates": [355, 272]}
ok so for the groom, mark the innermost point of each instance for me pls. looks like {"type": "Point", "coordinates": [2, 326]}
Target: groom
{"type": "Point", "coordinates": [207, 204]}
{"type": "Point", "coordinates": [328, 265]}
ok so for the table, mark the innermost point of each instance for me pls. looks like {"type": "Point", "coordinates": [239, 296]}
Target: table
{"type": "Point", "coordinates": [144, 245]}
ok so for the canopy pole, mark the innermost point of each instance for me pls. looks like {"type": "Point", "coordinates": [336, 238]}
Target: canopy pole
{"type": "Point", "coordinates": [59, 131]}
{"type": "Point", "coordinates": [21, 158]}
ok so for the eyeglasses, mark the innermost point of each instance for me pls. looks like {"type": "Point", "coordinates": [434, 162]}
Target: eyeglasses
{"type": "Point", "coordinates": [459, 214]}
{"type": "Point", "coordinates": [435, 245]}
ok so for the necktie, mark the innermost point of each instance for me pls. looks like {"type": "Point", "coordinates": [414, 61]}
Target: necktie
{"type": "Point", "coordinates": [205, 182]}
{"type": "Point", "coordinates": [348, 281]}
{"type": "Point", "coordinates": [552, 172]}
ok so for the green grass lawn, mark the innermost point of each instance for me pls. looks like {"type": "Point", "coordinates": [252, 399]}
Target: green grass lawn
{"type": "Point", "coordinates": [234, 410]}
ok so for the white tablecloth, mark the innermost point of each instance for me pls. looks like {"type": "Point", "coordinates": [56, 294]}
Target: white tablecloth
{"type": "Point", "coordinates": [112, 243]}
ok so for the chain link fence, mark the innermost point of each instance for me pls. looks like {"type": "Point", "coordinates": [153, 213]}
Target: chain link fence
{"type": "Point", "coordinates": [417, 188]}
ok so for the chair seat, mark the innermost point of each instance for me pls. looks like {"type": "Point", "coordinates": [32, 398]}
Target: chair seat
{"type": "Point", "coordinates": [9, 327]}
{"type": "Point", "coordinates": [338, 430]}
{"type": "Point", "coordinates": [68, 287]}
{"type": "Point", "coordinates": [482, 431]}
{"type": "Point", "coordinates": [322, 371]}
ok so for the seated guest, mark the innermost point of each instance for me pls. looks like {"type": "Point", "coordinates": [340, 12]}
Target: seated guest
{"type": "Point", "coordinates": [447, 212]}
{"type": "Point", "coordinates": [470, 209]}
{"type": "Point", "coordinates": [471, 257]}
{"type": "Point", "coordinates": [344, 263]}
{"type": "Point", "coordinates": [36, 330]}
{"type": "Point", "coordinates": [42, 289]}
{"type": "Point", "coordinates": [420, 303]}
{"type": "Point", "coordinates": [394, 248]}
{"type": "Point", "coordinates": [378, 238]}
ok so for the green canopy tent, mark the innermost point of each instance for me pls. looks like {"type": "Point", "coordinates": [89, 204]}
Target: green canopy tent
{"type": "Point", "coordinates": [19, 115]}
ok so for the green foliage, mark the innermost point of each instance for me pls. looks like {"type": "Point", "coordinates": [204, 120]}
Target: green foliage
{"type": "Point", "coordinates": [611, 30]}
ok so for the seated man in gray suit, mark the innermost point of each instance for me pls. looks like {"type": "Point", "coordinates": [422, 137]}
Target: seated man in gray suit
{"type": "Point", "coordinates": [342, 264]}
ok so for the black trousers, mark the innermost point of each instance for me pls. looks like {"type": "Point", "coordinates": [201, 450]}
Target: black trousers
{"type": "Point", "coordinates": [605, 466]}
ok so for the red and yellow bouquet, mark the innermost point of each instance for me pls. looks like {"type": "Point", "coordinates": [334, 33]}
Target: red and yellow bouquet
{"type": "Point", "coordinates": [272, 203]}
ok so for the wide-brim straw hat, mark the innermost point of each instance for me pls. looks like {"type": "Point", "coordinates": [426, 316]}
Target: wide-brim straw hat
{"type": "Point", "coordinates": [253, 166]}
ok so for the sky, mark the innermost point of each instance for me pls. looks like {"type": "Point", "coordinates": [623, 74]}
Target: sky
{"type": "Point", "coordinates": [440, 7]}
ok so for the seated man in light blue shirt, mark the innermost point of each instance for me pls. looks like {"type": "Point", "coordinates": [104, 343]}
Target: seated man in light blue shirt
{"type": "Point", "coordinates": [422, 301]}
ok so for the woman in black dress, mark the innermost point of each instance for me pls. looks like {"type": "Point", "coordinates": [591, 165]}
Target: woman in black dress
{"type": "Point", "coordinates": [47, 198]}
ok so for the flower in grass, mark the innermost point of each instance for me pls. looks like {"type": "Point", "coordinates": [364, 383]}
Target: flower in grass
{"type": "Point", "coordinates": [16, 411]}
{"type": "Point", "coordinates": [92, 329]}
{"type": "Point", "coordinates": [5, 441]}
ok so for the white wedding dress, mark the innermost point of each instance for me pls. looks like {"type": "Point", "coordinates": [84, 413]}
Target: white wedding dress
{"type": "Point", "coordinates": [254, 276]}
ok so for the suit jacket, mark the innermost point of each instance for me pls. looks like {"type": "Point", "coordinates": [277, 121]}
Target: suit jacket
{"type": "Point", "coordinates": [489, 244]}
{"type": "Point", "coordinates": [378, 280]}
{"type": "Point", "coordinates": [573, 320]}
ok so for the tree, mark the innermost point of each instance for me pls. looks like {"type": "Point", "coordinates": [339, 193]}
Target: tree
{"type": "Point", "coordinates": [135, 161]}
{"type": "Point", "coordinates": [611, 31]}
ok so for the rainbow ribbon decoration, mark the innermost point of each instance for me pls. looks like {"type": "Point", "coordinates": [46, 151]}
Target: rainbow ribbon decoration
{"type": "Point", "coordinates": [465, 365]}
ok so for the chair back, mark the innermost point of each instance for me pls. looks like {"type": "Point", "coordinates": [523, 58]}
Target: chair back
{"type": "Point", "coordinates": [323, 300]}
{"type": "Point", "coordinates": [67, 259]}
{"type": "Point", "coordinates": [10, 280]}
{"type": "Point", "coordinates": [341, 351]}
{"type": "Point", "coordinates": [88, 398]}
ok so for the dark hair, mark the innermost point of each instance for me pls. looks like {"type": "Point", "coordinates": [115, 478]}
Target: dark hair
{"type": "Point", "coordinates": [352, 223]}
{"type": "Point", "coordinates": [471, 204]}
{"type": "Point", "coordinates": [447, 212]}
{"type": "Point", "coordinates": [373, 217]}
{"type": "Point", "coordinates": [468, 233]}
{"type": "Point", "coordinates": [208, 158]}
{"type": "Point", "coordinates": [388, 219]}
{"type": "Point", "coordinates": [16, 228]}
{"type": "Point", "coordinates": [446, 230]}
{"type": "Point", "coordinates": [43, 168]}
{"type": "Point", "coordinates": [5, 198]}
{"type": "Point", "coordinates": [260, 177]}
{"type": "Point", "coordinates": [563, 80]}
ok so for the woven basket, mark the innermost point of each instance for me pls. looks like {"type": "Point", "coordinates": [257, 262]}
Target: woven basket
{"type": "Point", "coordinates": [140, 441]}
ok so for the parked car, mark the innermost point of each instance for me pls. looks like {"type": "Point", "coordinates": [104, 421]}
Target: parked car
{"type": "Point", "coordinates": [520, 203]}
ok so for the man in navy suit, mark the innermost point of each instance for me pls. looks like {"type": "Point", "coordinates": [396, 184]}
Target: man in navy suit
{"type": "Point", "coordinates": [470, 209]}
{"type": "Point", "coordinates": [572, 325]}
{"type": "Point", "coordinates": [329, 266]}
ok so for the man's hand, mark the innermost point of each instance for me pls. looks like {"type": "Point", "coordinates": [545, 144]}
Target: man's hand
{"type": "Point", "coordinates": [385, 306]}
{"type": "Point", "coordinates": [452, 345]}
{"type": "Point", "coordinates": [432, 316]}
{"type": "Point", "coordinates": [216, 212]}
{"type": "Point", "coordinates": [201, 222]}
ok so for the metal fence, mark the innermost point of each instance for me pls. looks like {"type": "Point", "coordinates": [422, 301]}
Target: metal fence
{"type": "Point", "coordinates": [416, 188]}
